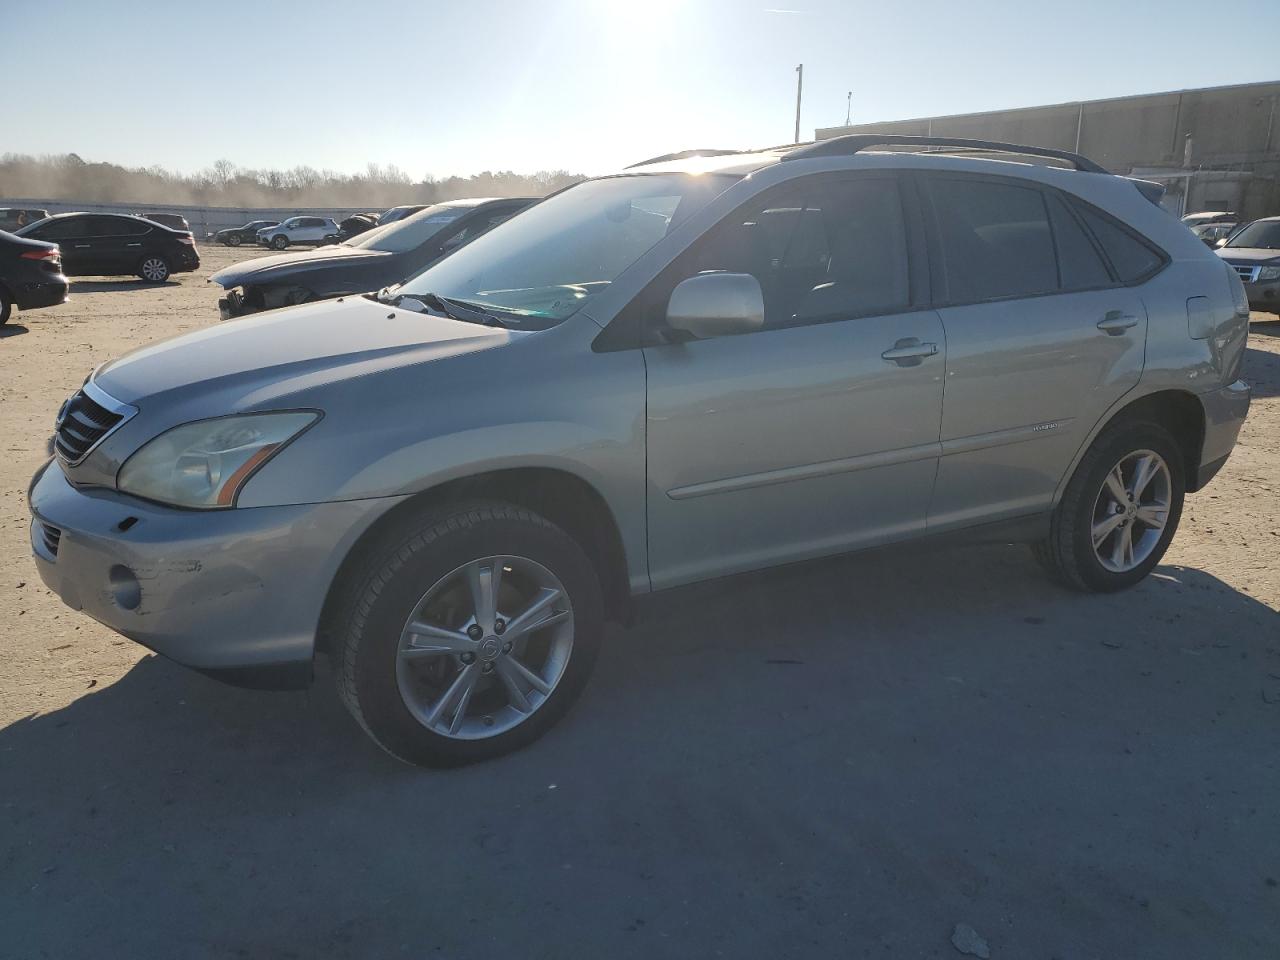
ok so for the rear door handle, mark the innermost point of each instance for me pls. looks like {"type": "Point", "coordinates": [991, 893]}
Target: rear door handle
{"type": "Point", "coordinates": [1117, 322]}
{"type": "Point", "coordinates": [133, 244]}
{"type": "Point", "coordinates": [81, 246]}
{"type": "Point", "coordinates": [909, 351]}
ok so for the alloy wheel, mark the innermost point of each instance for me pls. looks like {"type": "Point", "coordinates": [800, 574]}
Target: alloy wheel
{"type": "Point", "coordinates": [485, 647]}
{"type": "Point", "coordinates": [1131, 511]}
{"type": "Point", "coordinates": [154, 269]}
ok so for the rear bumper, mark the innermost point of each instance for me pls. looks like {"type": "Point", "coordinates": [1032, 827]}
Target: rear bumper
{"type": "Point", "coordinates": [233, 593]}
{"type": "Point", "coordinates": [1225, 410]}
{"type": "Point", "coordinates": [1263, 296]}
{"type": "Point", "coordinates": [48, 291]}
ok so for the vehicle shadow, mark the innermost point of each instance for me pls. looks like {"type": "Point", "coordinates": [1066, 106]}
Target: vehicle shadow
{"type": "Point", "coordinates": [108, 286]}
{"type": "Point", "coordinates": [12, 330]}
{"type": "Point", "coordinates": [933, 738]}
{"type": "Point", "coordinates": [1262, 371]}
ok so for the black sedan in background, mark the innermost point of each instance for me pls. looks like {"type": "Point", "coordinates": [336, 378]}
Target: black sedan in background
{"type": "Point", "coordinates": [234, 236]}
{"type": "Point", "coordinates": [379, 258]}
{"type": "Point", "coordinates": [115, 244]}
{"type": "Point", "coordinates": [30, 275]}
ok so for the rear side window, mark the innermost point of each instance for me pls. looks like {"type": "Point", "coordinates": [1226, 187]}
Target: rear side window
{"type": "Point", "coordinates": [996, 240]}
{"type": "Point", "coordinates": [1131, 258]}
{"type": "Point", "coordinates": [1080, 262]}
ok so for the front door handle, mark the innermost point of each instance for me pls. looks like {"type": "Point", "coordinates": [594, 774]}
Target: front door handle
{"type": "Point", "coordinates": [909, 351]}
{"type": "Point", "coordinates": [81, 246]}
{"type": "Point", "coordinates": [1117, 322]}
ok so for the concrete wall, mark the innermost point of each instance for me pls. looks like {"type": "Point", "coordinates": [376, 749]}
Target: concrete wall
{"type": "Point", "coordinates": [203, 220]}
{"type": "Point", "coordinates": [1233, 128]}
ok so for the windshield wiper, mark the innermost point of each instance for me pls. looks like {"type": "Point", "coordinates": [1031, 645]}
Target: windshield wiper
{"type": "Point", "coordinates": [453, 309]}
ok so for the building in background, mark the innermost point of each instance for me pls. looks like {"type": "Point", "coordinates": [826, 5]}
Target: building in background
{"type": "Point", "coordinates": [1216, 148]}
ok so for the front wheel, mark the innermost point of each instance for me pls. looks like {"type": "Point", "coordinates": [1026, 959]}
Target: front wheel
{"type": "Point", "coordinates": [280, 241]}
{"type": "Point", "coordinates": [1120, 510]}
{"type": "Point", "coordinates": [469, 636]}
{"type": "Point", "coordinates": [154, 269]}
{"type": "Point", "coordinates": [6, 307]}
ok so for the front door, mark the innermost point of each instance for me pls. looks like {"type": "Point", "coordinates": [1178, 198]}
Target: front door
{"type": "Point", "coordinates": [819, 432]}
{"type": "Point", "coordinates": [1043, 337]}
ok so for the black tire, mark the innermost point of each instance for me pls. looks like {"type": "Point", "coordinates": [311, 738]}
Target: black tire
{"type": "Point", "coordinates": [6, 307]}
{"type": "Point", "coordinates": [233, 240]}
{"type": "Point", "coordinates": [153, 268]}
{"type": "Point", "coordinates": [279, 241]}
{"type": "Point", "coordinates": [388, 583]}
{"type": "Point", "coordinates": [1068, 553]}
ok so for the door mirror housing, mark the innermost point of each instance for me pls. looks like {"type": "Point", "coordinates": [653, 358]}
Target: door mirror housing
{"type": "Point", "coordinates": [716, 305]}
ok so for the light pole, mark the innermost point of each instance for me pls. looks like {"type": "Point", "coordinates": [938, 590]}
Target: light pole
{"type": "Point", "coordinates": [799, 90]}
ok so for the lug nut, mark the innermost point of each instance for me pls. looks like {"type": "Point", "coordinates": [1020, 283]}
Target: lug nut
{"type": "Point", "coordinates": [487, 668]}
{"type": "Point", "coordinates": [475, 632]}
{"type": "Point", "coordinates": [506, 647]}
{"type": "Point", "coordinates": [499, 627]}
{"type": "Point", "coordinates": [468, 658]}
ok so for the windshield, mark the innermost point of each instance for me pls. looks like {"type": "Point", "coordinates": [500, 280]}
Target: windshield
{"type": "Point", "coordinates": [412, 231]}
{"type": "Point", "coordinates": [543, 265]}
{"type": "Point", "coordinates": [1261, 233]}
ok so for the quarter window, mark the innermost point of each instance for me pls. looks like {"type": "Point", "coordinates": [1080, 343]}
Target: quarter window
{"type": "Point", "coordinates": [995, 240]}
{"type": "Point", "coordinates": [1081, 265]}
{"type": "Point", "coordinates": [1130, 257]}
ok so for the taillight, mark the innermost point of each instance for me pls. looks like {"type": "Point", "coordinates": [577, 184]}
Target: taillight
{"type": "Point", "coordinates": [187, 238]}
{"type": "Point", "coordinates": [41, 254]}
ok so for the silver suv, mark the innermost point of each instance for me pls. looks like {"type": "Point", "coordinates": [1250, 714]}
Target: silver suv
{"type": "Point", "coordinates": [313, 230]}
{"type": "Point", "coordinates": [701, 366]}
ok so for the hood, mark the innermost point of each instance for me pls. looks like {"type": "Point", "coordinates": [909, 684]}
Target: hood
{"type": "Point", "coordinates": [283, 265]}
{"type": "Point", "coordinates": [1248, 254]}
{"type": "Point", "coordinates": [273, 354]}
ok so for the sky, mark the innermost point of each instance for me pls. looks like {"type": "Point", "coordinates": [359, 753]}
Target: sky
{"type": "Point", "coordinates": [441, 87]}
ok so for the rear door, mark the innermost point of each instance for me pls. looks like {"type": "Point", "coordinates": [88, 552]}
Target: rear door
{"type": "Point", "coordinates": [1043, 336]}
{"type": "Point", "coordinates": [117, 243]}
{"type": "Point", "coordinates": [310, 230]}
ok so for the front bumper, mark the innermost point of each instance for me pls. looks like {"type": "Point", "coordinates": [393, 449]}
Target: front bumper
{"type": "Point", "coordinates": [235, 593]}
{"type": "Point", "coordinates": [1224, 412]}
{"type": "Point", "coordinates": [1264, 295]}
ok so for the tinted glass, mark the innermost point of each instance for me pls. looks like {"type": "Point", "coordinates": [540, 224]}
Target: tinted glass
{"type": "Point", "coordinates": [995, 240]}
{"type": "Point", "coordinates": [59, 229]}
{"type": "Point", "coordinates": [828, 250]}
{"type": "Point", "coordinates": [1263, 234]}
{"type": "Point", "coordinates": [1081, 266]}
{"type": "Point", "coordinates": [1130, 257]}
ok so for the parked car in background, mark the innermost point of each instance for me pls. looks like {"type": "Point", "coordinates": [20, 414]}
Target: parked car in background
{"type": "Point", "coordinates": [1210, 216]}
{"type": "Point", "coordinates": [377, 258]}
{"type": "Point", "coordinates": [1253, 252]}
{"type": "Point", "coordinates": [172, 220]}
{"type": "Point", "coordinates": [1211, 234]}
{"type": "Point", "coordinates": [647, 380]}
{"type": "Point", "coordinates": [353, 226]}
{"type": "Point", "coordinates": [307, 230]}
{"type": "Point", "coordinates": [117, 244]}
{"type": "Point", "coordinates": [399, 213]}
{"type": "Point", "coordinates": [30, 275]}
{"type": "Point", "coordinates": [15, 218]}
{"type": "Point", "coordinates": [248, 233]}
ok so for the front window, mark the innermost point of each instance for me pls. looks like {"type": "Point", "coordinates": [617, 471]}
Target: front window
{"type": "Point", "coordinates": [1261, 234]}
{"type": "Point", "coordinates": [400, 236]}
{"type": "Point", "coordinates": [545, 264]}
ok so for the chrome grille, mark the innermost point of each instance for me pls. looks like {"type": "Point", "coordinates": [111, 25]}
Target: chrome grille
{"type": "Point", "coordinates": [1247, 273]}
{"type": "Point", "coordinates": [84, 420]}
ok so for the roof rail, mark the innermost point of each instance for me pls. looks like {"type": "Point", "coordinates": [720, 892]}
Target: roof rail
{"type": "Point", "coordinates": [854, 143]}
{"type": "Point", "coordinates": [683, 155]}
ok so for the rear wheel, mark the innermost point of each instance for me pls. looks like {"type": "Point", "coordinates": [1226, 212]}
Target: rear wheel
{"type": "Point", "coordinates": [468, 636]}
{"type": "Point", "coordinates": [6, 306]}
{"type": "Point", "coordinates": [154, 269]}
{"type": "Point", "coordinates": [234, 240]}
{"type": "Point", "coordinates": [1120, 510]}
{"type": "Point", "coordinates": [279, 241]}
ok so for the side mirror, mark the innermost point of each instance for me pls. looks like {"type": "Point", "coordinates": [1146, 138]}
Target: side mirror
{"type": "Point", "coordinates": [716, 305]}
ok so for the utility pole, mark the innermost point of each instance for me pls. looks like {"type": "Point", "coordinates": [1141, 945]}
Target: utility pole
{"type": "Point", "coordinates": [799, 90]}
{"type": "Point", "coordinates": [848, 113]}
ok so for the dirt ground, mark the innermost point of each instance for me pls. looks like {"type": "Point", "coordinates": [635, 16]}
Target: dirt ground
{"type": "Point", "coordinates": [841, 759]}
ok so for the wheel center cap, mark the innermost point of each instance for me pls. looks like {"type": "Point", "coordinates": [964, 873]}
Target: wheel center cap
{"type": "Point", "coordinates": [489, 649]}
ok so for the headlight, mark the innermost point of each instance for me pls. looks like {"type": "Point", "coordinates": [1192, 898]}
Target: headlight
{"type": "Point", "coordinates": [204, 464]}
{"type": "Point", "coordinates": [1269, 273]}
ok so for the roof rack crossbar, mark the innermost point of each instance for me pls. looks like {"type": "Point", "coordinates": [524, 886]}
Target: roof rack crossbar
{"type": "Point", "coordinates": [854, 143]}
